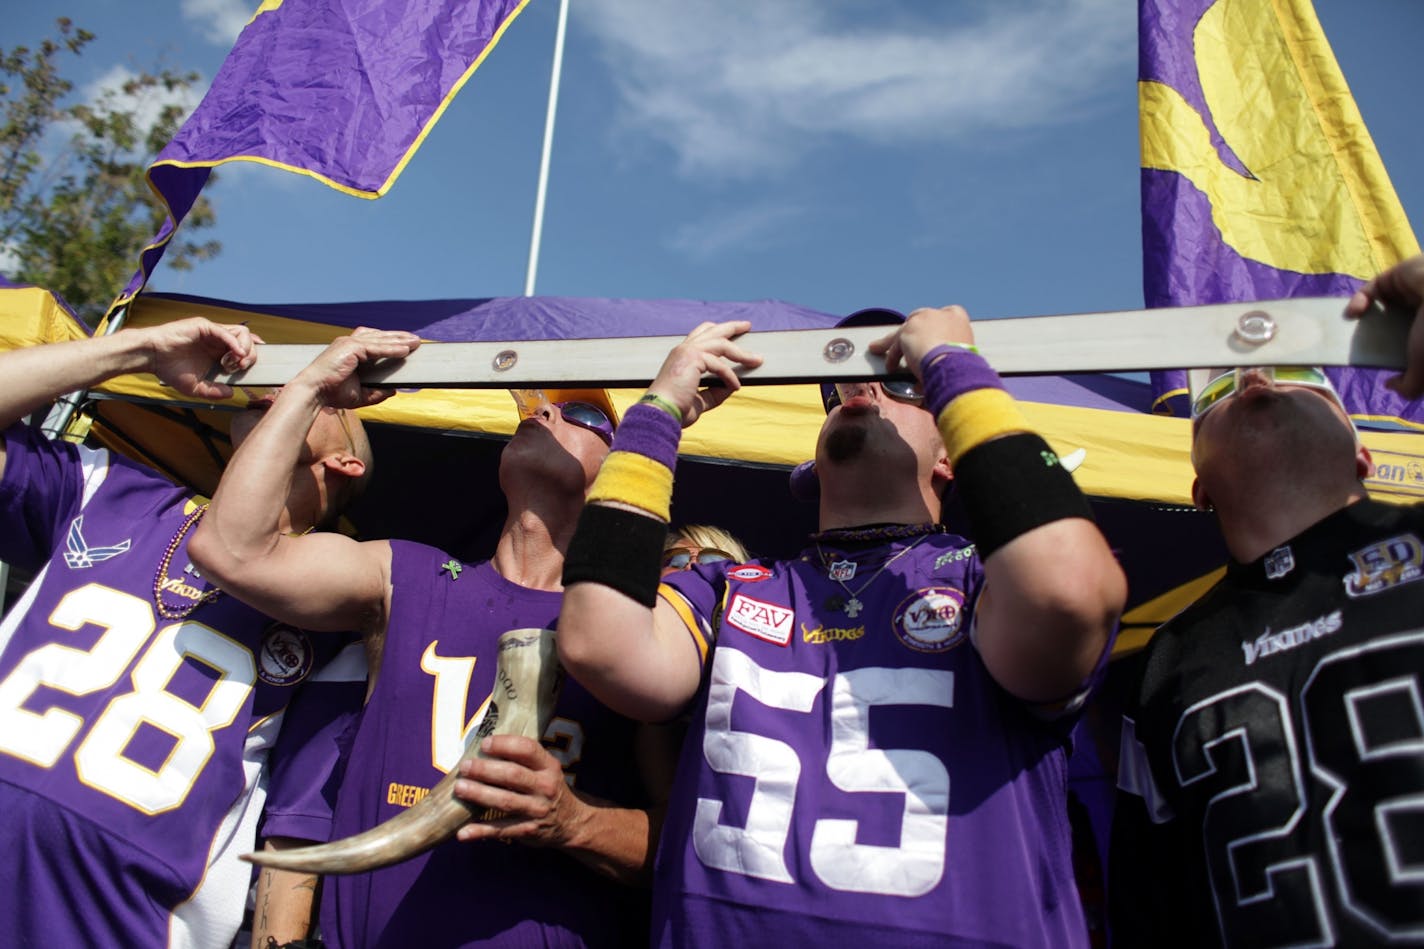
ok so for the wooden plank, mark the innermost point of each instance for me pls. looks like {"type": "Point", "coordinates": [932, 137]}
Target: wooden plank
{"type": "Point", "coordinates": [1304, 331]}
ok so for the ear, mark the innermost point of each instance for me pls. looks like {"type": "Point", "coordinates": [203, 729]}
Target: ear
{"type": "Point", "coordinates": [941, 474]}
{"type": "Point", "coordinates": [345, 464]}
{"type": "Point", "coordinates": [1199, 496]}
{"type": "Point", "coordinates": [1364, 462]}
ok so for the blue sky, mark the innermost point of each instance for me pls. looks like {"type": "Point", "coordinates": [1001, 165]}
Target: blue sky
{"type": "Point", "coordinates": [831, 153]}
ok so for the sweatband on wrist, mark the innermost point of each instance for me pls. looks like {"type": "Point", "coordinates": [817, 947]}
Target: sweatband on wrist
{"type": "Point", "coordinates": [949, 371]}
{"type": "Point", "coordinates": [653, 399]}
{"type": "Point", "coordinates": [617, 549]}
{"type": "Point", "coordinates": [975, 418]}
{"type": "Point", "coordinates": [638, 471]}
{"type": "Point", "coordinates": [1013, 484]}
{"type": "Point", "coordinates": [649, 431]}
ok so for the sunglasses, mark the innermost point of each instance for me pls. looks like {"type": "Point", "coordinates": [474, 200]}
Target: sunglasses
{"type": "Point", "coordinates": [1224, 386]}
{"type": "Point", "coordinates": [901, 390]}
{"type": "Point", "coordinates": [589, 416]}
{"type": "Point", "coordinates": [682, 558]}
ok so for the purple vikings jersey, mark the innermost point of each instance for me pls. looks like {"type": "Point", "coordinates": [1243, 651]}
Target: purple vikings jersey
{"type": "Point", "coordinates": [310, 755]}
{"type": "Point", "coordinates": [436, 676]}
{"type": "Point", "coordinates": [853, 775]}
{"type": "Point", "coordinates": [131, 745]}
{"type": "Point", "coordinates": [1274, 762]}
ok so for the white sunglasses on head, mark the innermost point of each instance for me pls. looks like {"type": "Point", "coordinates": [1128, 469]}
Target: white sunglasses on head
{"type": "Point", "coordinates": [1224, 386]}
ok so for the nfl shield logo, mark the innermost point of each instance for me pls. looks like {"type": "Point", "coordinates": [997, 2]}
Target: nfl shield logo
{"type": "Point", "coordinates": [842, 570]}
{"type": "Point", "coordinates": [1279, 562]}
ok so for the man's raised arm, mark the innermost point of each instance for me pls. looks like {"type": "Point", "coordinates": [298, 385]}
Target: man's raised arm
{"type": "Point", "coordinates": [1053, 589]}
{"type": "Point", "coordinates": [284, 476]}
{"type": "Point", "coordinates": [627, 646]}
{"type": "Point", "coordinates": [181, 354]}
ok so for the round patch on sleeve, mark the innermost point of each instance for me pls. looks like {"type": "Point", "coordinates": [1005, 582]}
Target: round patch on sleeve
{"type": "Point", "coordinates": [285, 656]}
{"type": "Point", "coordinates": [749, 573]}
{"type": "Point", "coordinates": [931, 619]}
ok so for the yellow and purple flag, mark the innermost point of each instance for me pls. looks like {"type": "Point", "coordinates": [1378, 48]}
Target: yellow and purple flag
{"type": "Point", "coordinates": [343, 91]}
{"type": "Point", "coordinates": [1259, 178]}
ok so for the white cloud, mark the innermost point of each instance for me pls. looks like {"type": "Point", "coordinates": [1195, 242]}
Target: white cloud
{"type": "Point", "coordinates": [739, 87]}
{"type": "Point", "coordinates": [739, 230]}
{"type": "Point", "coordinates": [9, 261]}
{"type": "Point", "coordinates": [219, 20]}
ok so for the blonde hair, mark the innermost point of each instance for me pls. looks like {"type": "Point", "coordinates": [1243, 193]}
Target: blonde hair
{"type": "Point", "coordinates": [705, 535]}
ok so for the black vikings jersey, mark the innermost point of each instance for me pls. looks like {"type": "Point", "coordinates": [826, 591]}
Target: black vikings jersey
{"type": "Point", "coordinates": [1273, 768]}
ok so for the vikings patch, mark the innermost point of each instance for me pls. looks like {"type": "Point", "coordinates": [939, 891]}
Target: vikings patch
{"type": "Point", "coordinates": [1384, 565]}
{"type": "Point", "coordinates": [931, 619]}
{"type": "Point", "coordinates": [750, 573]}
{"type": "Point", "coordinates": [285, 656]}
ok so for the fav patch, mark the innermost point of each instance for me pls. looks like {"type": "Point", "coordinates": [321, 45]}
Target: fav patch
{"type": "Point", "coordinates": [750, 573]}
{"type": "Point", "coordinates": [763, 620]}
{"type": "Point", "coordinates": [1386, 564]}
{"type": "Point", "coordinates": [931, 619]}
{"type": "Point", "coordinates": [1279, 562]}
{"type": "Point", "coordinates": [285, 656]}
{"type": "Point", "coordinates": [78, 555]}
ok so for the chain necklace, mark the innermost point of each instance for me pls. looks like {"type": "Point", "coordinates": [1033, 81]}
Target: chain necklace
{"type": "Point", "coordinates": [852, 606]}
{"type": "Point", "coordinates": [878, 533]}
{"type": "Point", "coordinates": [161, 580]}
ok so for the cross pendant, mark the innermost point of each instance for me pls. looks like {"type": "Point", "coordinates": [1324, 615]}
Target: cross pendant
{"type": "Point", "coordinates": [853, 607]}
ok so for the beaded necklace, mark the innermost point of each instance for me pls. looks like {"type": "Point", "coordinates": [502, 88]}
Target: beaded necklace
{"type": "Point", "coordinates": [161, 580]}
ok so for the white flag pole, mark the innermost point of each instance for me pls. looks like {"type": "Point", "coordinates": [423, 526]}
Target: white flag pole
{"type": "Point", "coordinates": [548, 147]}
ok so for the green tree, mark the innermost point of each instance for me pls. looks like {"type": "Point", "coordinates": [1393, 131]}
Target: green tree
{"type": "Point", "coordinates": [75, 206]}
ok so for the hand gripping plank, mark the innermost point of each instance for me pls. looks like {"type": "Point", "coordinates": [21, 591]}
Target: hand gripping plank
{"type": "Point", "coordinates": [1305, 331]}
{"type": "Point", "coordinates": [526, 689]}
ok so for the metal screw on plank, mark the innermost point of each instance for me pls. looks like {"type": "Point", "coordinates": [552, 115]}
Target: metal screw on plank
{"type": "Point", "coordinates": [839, 350]}
{"type": "Point", "coordinates": [1255, 328]}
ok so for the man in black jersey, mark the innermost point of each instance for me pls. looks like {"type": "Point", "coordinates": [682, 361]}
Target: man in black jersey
{"type": "Point", "coordinates": [1273, 764]}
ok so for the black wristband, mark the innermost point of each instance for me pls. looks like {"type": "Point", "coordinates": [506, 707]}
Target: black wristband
{"type": "Point", "coordinates": [619, 549]}
{"type": "Point", "coordinates": [1011, 485]}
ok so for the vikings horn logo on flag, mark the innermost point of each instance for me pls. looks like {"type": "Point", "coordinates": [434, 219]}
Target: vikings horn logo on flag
{"type": "Point", "coordinates": [1259, 178]}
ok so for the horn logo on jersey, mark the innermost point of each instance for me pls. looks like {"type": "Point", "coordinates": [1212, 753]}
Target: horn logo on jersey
{"type": "Point", "coordinates": [80, 556]}
{"type": "Point", "coordinates": [1386, 564]}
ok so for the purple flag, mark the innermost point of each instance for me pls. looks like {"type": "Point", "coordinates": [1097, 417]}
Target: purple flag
{"type": "Point", "coordinates": [1259, 179]}
{"type": "Point", "coordinates": [341, 90]}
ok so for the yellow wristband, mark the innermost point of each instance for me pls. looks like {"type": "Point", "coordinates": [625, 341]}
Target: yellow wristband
{"type": "Point", "coordinates": [975, 417]}
{"type": "Point", "coordinates": [636, 480]}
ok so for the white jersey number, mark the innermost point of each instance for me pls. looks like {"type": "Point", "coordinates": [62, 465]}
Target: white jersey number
{"type": "Point", "coordinates": [758, 849]}
{"type": "Point", "coordinates": [42, 738]}
{"type": "Point", "coordinates": [1361, 712]}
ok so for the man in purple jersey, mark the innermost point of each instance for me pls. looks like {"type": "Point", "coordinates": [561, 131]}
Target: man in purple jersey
{"type": "Point", "coordinates": [879, 726]}
{"type": "Point", "coordinates": [431, 624]}
{"type": "Point", "coordinates": [1271, 769]}
{"type": "Point", "coordinates": [137, 702]}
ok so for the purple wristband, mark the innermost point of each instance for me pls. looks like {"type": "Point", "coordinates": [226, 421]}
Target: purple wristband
{"type": "Point", "coordinates": [649, 431]}
{"type": "Point", "coordinates": [948, 372]}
